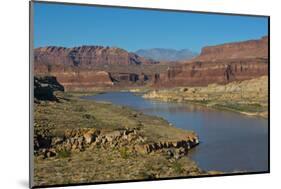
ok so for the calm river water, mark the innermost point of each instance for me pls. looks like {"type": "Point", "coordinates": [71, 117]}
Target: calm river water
{"type": "Point", "coordinates": [228, 141]}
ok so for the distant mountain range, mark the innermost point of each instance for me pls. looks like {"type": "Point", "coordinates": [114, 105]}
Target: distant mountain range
{"type": "Point", "coordinates": [161, 54]}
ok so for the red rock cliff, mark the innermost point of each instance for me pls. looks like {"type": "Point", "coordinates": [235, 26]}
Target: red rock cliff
{"type": "Point", "coordinates": [238, 50]}
{"type": "Point", "coordinates": [76, 68]}
{"type": "Point", "coordinates": [87, 56]}
{"type": "Point", "coordinates": [220, 64]}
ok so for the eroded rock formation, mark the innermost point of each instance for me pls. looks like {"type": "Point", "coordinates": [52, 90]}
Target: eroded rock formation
{"type": "Point", "coordinates": [85, 56]}
{"type": "Point", "coordinates": [89, 67]}
{"type": "Point", "coordinates": [238, 50]}
{"type": "Point", "coordinates": [79, 139]}
{"type": "Point", "coordinates": [220, 64]}
{"type": "Point", "coordinates": [83, 68]}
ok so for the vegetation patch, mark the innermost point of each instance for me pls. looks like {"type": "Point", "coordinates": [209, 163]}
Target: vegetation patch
{"type": "Point", "coordinates": [111, 162]}
{"type": "Point", "coordinates": [177, 167]}
{"type": "Point", "coordinates": [124, 153]}
{"type": "Point", "coordinates": [242, 107]}
{"type": "Point", "coordinates": [64, 154]}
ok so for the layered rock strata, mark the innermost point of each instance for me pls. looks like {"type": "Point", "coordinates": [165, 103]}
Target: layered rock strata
{"type": "Point", "coordinates": [220, 64]}
{"type": "Point", "coordinates": [90, 67]}
{"type": "Point", "coordinates": [83, 68]}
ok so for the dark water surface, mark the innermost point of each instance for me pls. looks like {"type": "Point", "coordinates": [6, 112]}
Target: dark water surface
{"type": "Point", "coordinates": [228, 141]}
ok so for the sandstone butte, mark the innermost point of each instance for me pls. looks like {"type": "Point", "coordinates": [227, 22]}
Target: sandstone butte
{"type": "Point", "coordinates": [90, 67]}
{"type": "Point", "coordinates": [221, 64]}
{"type": "Point", "coordinates": [81, 68]}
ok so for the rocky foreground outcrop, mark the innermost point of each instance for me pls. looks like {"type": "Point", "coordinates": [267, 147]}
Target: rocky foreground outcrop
{"type": "Point", "coordinates": [220, 64]}
{"type": "Point", "coordinates": [81, 138]}
{"type": "Point", "coordinates": [113, 142]}
{"type": "Point", "coordinates": [44, 88]}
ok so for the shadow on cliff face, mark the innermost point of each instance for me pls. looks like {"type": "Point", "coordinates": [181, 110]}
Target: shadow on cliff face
{"type": "Point", "coordinates": [45, 86]}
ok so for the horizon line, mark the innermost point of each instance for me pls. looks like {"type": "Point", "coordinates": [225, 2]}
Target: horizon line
{"type": "Point", "coordinates": [150, 48]}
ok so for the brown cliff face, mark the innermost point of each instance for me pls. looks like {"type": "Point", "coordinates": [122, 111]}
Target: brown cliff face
{"type": "Point", "coordinates": [220, 64]}
{"type": "Point", "coordinates": [81, 68]}
{"type": "Point", "coordinates": [87, 56]}
{"type": "Point", "coordinates": [238, 50]}
{"type": "Point", "coordinates": [89, 67]}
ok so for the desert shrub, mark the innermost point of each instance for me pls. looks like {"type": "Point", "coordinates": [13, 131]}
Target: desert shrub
{"type": "Point", "coordinates": [79, 109]}
{"type": "Point", "coordinates": [177, 167]}
{"type": "Point", "coordinates": [242, 107]}
{"type": "Point", "coordinates": [124, 153]}
{"type": "Point", "coordinates": [88, 116]}
{"type": "Point", "coordinates": [147, 175]}
{"type": "Point", "coordinates": [64, 154]}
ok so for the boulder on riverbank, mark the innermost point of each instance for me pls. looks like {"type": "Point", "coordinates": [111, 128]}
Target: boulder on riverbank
{"type": "Point", "coordinates": [81, 138]}
{"type": "Point", "coordinates": [45, 86]}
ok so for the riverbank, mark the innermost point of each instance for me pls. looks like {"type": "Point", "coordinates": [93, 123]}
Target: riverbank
{"type": "Point", "coordinates": [248, 97]}
{"type": "Point", "coordinates": [78, 141]}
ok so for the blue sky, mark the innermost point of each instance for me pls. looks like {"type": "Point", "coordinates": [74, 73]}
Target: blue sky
{"type": "Point", "coordinates": [133, 29]}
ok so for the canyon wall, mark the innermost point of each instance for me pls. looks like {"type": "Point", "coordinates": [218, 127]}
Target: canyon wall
{"type": "Point", "coordinates": [87, 67]}
{"type": "Point", "coordinates": [220, 64]}
{"type": "Point", "coordinates": [86, 56]}
{"type": "Point", "coordinates": [237, 50]}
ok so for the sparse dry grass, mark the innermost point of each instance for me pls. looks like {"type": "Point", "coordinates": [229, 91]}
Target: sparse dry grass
{"type": "Point", "coordinates": [99, 164]}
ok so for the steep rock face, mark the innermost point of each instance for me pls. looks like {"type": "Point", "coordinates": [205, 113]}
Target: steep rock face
{"type": "Point", "coordinates": [76, 68]}
{"type": "Point", "coordinates": [88, 67]}
{"type": "Point", "coordinates": [83, 80]}
{"type": "Point", "coordinates": [238, 50]}
{"type": "Point", "coordinates": [220, 64]}
{"type": "Point", "coordinates": [86, 56]}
